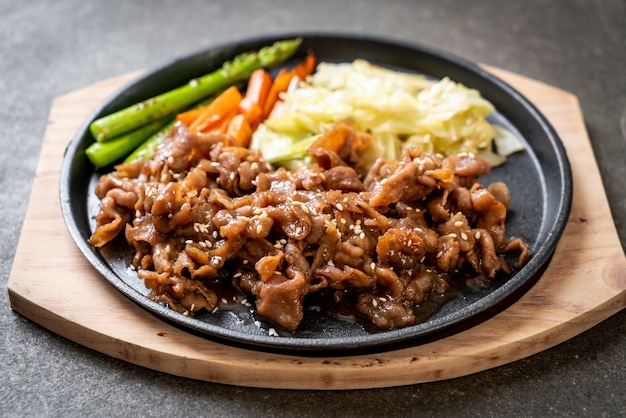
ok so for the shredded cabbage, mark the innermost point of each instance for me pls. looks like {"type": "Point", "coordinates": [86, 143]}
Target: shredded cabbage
{"type": "Point", "coordinates": [398, 109]}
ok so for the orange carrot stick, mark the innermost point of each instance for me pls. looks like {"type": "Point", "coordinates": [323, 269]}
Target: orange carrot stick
{"type": "Point", "coordinates": [252, 111]}
{"type": "Point", "coordinates": [283, 79]}
{"type": "Point", "coordinates": [217, 110]}
{"type": "Point", "coordinates": [306, 67]}
{"type": "Point", "coordinates": [259, 86]}
{"type": "Point", "coordinates": [191, 115]}
{"type": "Point", "coordinates": [240, 130]}
{"type": "Point", "coordinates": [281, 82]}
{"type": "Point", "coordinates": [224, 122]}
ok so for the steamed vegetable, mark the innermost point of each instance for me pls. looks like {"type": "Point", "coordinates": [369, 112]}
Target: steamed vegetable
{"type": "Point", "coordinates": [398, 109]}
{"type": "Point", "coordinates": [177, 100]}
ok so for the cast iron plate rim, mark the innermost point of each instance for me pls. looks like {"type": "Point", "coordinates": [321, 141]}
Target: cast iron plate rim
{"type": "Point", "coordinates": [344, 345]}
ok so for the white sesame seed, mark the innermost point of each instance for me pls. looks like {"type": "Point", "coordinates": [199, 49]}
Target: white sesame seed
{"type": "Point", "coordinates": [224, 300]}
{"type": "Point", "coordinates": [464, 235]}
{"type": "Point", "coordinates": [202, 244]}
{"type": "Point", "coordinates": [238, 274]}
{"type": "Point", "coordinates": [382, 299]}
{"type": "Point", "coordinates": [189, 241]}
{"type": "Point", "coordinates": [372, 265]}
{"type": "Point", "coordinates": [452, 235]}
{"type": "Point", "coordinates": [458, 223]}
{"type": "Point", "coordinates": [339, 206]}
{"type": "Point", "coordinates": [374, 302]}
{"type": "Point", "coordinates": [477, 235]}
{"type": "Point", "coordinates": [362, 235]}
{"type": "Point", "coordinates": [410, 243]}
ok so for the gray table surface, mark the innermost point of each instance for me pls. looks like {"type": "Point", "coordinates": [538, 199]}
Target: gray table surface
{"type": "Point", "coordinates": [51, 48]}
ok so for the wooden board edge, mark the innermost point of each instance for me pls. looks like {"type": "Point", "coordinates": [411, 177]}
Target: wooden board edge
{"type": "Point", "coordinates": [565, 331]}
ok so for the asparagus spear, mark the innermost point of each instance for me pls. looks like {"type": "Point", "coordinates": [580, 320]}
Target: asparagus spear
{"type": "Point", "coordinates": [168, 103]}
{"type": "Point", "coordinates": [102, 154]}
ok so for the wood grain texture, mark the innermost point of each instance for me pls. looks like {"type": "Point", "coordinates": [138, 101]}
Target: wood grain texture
{"type": "Point", "coordinates": [52, 284]}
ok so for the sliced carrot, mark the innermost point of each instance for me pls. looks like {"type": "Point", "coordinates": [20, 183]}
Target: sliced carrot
{"type": "Point", "coordinates": [252, 111]}
{"type": "Point", "coordinates": [281, 83]}
{"type": "Point", "coordinates": [259, 86]}
{"type": "Point", "coordinates": [240, 130]}
{"type": "Point", "coordinates": [217, 110]}
{"type": "Point", "coordinates": [190, 116]}
{"type": "Point", "coordinates": [223, 123]}
{"type": "Point", "coordinates": [306, 67]}
{"type": "Point", "coordinates": [283, 79]}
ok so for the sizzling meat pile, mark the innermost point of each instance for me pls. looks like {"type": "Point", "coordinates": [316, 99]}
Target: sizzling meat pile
{"type": "Point", "coordinates": [205, 215]}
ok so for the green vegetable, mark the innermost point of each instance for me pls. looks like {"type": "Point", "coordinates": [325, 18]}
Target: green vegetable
{"type": "Point", "coordinates": [399, 110]}
{"type": "Point", "coordinates": [280, 149]}
{"type": "Point", "coordinates": [102, 154]}
{"type": "Point", "coordinates": [173, 101]}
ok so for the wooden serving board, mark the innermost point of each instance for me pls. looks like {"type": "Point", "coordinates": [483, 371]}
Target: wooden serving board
{"type": "Point", "coordinates": [52, 284]}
